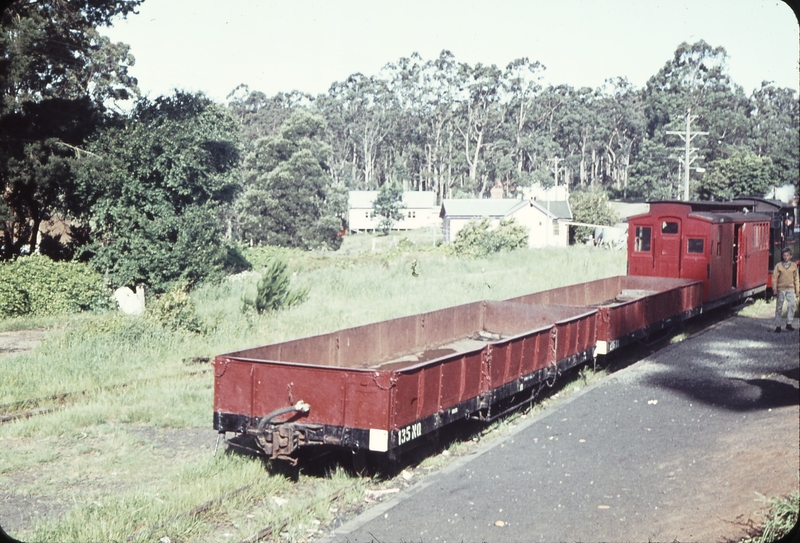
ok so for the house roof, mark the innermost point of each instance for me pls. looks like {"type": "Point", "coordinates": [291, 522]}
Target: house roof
{"type": "Point", "coordinates": [411, 199]}
{"type": "Point", "coordinates": [558, 208]}
{"type": "Point", "coordinates": [489, 207]}
{"type": "Point", "coordinates": [479, 207]}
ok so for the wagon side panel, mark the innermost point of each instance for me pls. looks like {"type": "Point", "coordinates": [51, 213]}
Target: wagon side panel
{"type": "Point", "coordinates": [233, 393]}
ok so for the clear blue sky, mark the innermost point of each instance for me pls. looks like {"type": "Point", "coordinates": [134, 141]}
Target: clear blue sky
{"type": "Point", "coordinates": [306, 45]}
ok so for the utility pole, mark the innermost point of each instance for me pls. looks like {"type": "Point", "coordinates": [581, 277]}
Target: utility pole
{"type": "Point", "coordinates": [687, 137]}
{"type": "Point", "coordinates": [549, 223]}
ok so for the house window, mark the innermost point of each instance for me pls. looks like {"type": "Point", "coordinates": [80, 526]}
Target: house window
{"type": "Point", "coordinates": [555, 228]}
{"type": "Point", "coordinates": [719, 238]}
{"type": "Point", "coordinates": [695, 246]}
{"type": "Point", "coordinates": [642, 243]}
{"type": "Point", "coordinates": [412, 214]}
{"type": "Point", "coordinates": [366, 214]}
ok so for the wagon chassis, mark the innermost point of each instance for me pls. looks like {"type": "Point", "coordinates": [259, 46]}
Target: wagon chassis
{"type": "Point", "coordinates": [281, 439]}
{"type": "Point", "coordinates": [364, 390]}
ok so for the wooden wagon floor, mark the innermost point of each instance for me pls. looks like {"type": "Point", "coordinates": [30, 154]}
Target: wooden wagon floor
{"type": "Point", "coordinates": [474, 342]}
{"type": "Point", "coordinates": [627, 296]}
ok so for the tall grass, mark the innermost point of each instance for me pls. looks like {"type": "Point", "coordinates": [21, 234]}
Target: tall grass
{"type": "Point", "coordinates": [344, 291]}
{"type": "Point", "coordinates": [72, 453]}
{"type": "Point", "coordinates": [371, 287]}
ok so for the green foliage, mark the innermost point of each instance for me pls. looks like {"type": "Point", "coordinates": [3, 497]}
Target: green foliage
{"type": "Point", "coordinates": [591, 208]}
{"type": "Point", "coordinates": [775, 130]}
{"type": "Point", "coordinates": [158, 184]}
{"type": "Point", "coordinates": [175, 310]}
{"type": "Point", "coordinates": [388, 205]}
{"type": "Point", "coordinates": [289, 199]}
{"type": "Point", "coordinates": [58, 74]}
{"type": "Point", "coordinates": [478, 239]}
{"type": "Point", "coordinates": [235, 260]}
{"type": "Point", "coordinates": [14, 302]}
{"type": "Point", "coordinates": [744, 173]}
{"type": "Point", "coordinates": [274, 290]}
{"type": "Point", "coordinates": [37, 285]}
{"type": "Point", "coordinates": [782, 517]}
{"type": "Point", "coordinates": [651, 176]}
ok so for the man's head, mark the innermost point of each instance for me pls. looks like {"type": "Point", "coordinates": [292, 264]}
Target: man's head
{"type": "Point", "coordinates": [786, 254]}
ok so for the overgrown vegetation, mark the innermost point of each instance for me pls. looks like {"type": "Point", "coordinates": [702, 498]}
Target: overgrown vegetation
{"type": "Point", "coordinates": [274, 291]}
{"type": "Point", "coordinates": [591, 207]}
{"type": "Point", "coordinates": [176, 311]}
{"type": "Point", "coordinates": [782, 517]}
{"type": "Point", "coordinates": [37, 286]}
{"type": "Point", "coordinates": [478, 238]}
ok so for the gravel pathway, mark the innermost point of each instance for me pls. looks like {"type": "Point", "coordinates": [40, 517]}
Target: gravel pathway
{"type": "Point", "coordinates": [674, 448]}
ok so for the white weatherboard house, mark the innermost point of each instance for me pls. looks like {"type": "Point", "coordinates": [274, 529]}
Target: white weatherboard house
{"type": "Point", "coordinates": [420, 211]}
{"type": "Point", "coordinates": [546, 221]}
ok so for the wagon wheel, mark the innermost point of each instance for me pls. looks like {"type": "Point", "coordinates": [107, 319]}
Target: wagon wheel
{"type": "Point", "coordinates": [359, 462]}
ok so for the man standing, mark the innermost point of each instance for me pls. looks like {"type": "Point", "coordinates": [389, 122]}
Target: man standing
{"type": "Point", "coordinates": [786, 283]}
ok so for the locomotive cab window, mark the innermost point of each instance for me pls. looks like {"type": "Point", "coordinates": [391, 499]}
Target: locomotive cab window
{"type": "Point", "coordinates": [695, 246]}
{"type": "Point", "coordinates": [669, 227]}
{"type": "Point", "coordinates": [642, 239]}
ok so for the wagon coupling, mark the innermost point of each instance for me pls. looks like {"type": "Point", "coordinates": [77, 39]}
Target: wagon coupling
{"type": "Point", "coordinates": [280, 440]}
{"type": "Point", "coordinates": [299, 407]}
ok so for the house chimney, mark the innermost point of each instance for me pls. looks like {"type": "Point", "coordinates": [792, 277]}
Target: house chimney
{"type": "Point", "coordinates": [496, 191]}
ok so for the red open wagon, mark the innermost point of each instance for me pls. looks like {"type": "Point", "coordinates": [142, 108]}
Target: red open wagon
{"type": "Point", "coordinates": [629, 307]}
{"type": "Point", "coordinates": [382, 386]}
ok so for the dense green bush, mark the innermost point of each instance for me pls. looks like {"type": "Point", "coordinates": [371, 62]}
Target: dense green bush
{"type": "Point", "coordinates": [477, 238]}
{"type": "Point", "coordinates": [273, 290]}
{"type": "Point", "coordinates": [591, 207]}
{"type": "Point", "coordinates": [37, 285]}
{"type": "Point", "coordinates": [175, 310]}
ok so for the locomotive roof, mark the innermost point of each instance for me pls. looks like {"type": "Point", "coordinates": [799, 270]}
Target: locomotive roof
{"type": "Point", "coordinates": [721, 217]}
{"type": "Point", "coordinates": [742, 203]}
{"type": "Point", "coordinates": [700, 206]}
{"type": "Point", "coordinates": [762, 205]}
{"type": "Point", "coordinates": [714, 212]}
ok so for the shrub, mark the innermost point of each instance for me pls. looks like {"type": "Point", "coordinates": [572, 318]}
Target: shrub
{"type": "Point", "coordinates": [477, 238]}
{"type": "Point", "coordinates": [782, 517]}
{"type": "Point", "coordinates": [175, 310]}
{"type": "Point", "coordinates": [37, 285]}
{"type": "Point", "coordinates": [273, 290]}
{"type": "Point", "coordinates": [14, 302]}
{"type": "Point", "coordinates": [591, 208]}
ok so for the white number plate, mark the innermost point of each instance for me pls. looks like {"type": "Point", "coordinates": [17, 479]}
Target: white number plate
{"type": "Point", "coordinates": [412, 431]}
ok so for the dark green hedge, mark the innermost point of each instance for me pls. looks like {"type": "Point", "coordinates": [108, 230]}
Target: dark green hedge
{"type": "Point", "coordinates": [37, 285]}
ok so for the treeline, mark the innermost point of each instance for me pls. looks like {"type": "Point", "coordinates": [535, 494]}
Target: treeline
{"type": "Point", "coordinates": [163, 192]}
{"type": "Point", "coordinates": [458, 129]}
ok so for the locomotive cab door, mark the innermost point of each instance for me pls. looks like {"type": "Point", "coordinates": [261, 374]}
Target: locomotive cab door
{"type": "Point", "coordinates": [668, 247]}
{"type": "Point", "coordinates": [738, 241]}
